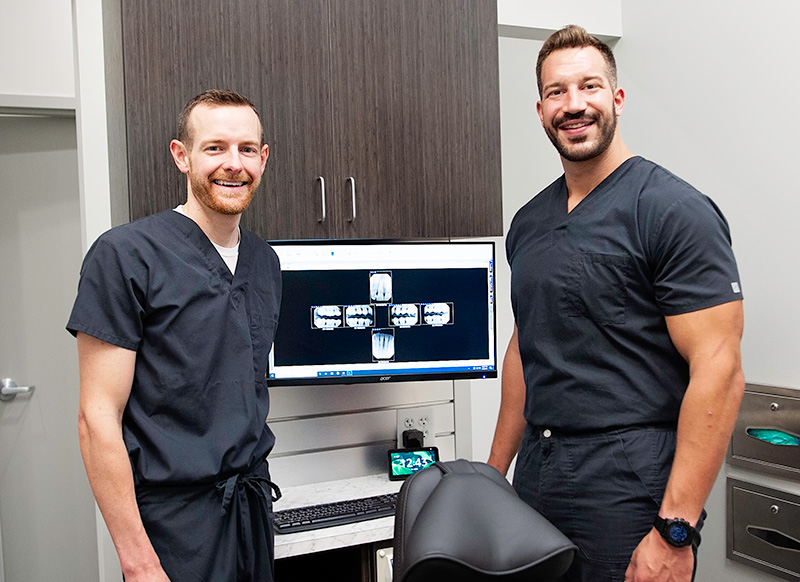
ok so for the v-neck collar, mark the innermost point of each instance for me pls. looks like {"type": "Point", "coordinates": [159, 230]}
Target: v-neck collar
{"type": "Point", "coordinates": [216, 264]}
{"type": "Point", "coordinates": [596, 192]}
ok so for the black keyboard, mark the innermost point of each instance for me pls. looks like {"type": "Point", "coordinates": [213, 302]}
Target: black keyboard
{"type": "Point", "coordinates": [337, 513]}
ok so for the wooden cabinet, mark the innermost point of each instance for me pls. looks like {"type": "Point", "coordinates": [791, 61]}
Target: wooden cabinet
{"type": "Point", "coordinates": [394, 105]}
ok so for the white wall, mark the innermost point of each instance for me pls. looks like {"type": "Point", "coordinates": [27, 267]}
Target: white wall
{"type": "Point", "coordinates": [536, 19]}
{"type": "Point", "coordinates": [37, 42]}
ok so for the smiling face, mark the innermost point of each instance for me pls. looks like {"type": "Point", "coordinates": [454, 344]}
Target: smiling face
{"type": "Point", "coordinates": [224, 160]}
{"type": "Point", "coordinates": [579, 105]}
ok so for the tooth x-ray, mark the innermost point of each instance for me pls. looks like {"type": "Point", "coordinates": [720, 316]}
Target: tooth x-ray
{"type": "Point", "coordinates": [437, 313]}
{"type": "Point", "coordinates": [359, 316]}
{"type": "Point", "coordinates": [404, 314]}
{"type": "Point", "coordinates": [380, 287]}
{"type": "Point", "coordinates": [382, 344]}
{"type": "Point", "coordinates": [326, 316]}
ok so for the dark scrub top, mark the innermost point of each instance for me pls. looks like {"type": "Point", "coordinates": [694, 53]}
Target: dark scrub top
{"type": "Point", "coordinates": [199, 402]}
{"type": "Point", "coordinates": [590, 290]}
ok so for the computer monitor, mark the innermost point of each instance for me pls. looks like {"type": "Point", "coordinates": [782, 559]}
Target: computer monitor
{"type": "Point", "coordinates": [384, 311]}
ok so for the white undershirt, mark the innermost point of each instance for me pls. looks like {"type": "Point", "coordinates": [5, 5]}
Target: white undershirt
{"type": "Point", "coordinates": [229, 254]}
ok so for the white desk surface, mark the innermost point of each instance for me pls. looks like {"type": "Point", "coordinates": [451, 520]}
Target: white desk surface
{"type": "Point", "coordinates": [328, 538]}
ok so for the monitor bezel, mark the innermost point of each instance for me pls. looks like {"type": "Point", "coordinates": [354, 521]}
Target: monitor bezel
{"type": "Point", "coordinates": [424, 376]}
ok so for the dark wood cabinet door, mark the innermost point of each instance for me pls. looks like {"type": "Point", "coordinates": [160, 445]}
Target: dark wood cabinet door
{"type": "Point", "coordinates": [273, 51]}
{"type": "Point", "coordinates": [416, 117]}
{"type": "Point", "coordinates": [294, 76]}
{"type": "Point", "coordinates": [395, 100]}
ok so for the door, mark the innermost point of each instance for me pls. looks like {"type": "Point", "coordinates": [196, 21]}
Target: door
{"type": "Point", "coordinates": [47, 514]}
{"type": "Point", "coordinates": [416, 117]}
{"type": "Point", "coordinates": [293, 87]}
{"type": "Point", "coordinates": [276, 53]}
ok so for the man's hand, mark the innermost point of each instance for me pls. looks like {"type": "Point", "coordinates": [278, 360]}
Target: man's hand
{"type": "Point", "coordinates": [654, 560]}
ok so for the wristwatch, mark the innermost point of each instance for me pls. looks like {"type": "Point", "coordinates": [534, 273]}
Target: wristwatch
{"type": "Point", "coordinates": [678, 532]}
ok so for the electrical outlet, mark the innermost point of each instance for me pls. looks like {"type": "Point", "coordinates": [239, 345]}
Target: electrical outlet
{"type": "Point", "coordinates": [420, 418]}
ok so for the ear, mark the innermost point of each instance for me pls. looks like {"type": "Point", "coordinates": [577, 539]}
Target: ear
{"type": "Point", "coordinates": [619, 101]}
{"type": "Point", "coordinates": [264, 156]}
{"type": "Point", "coordinates": [180, 155]}
{"type": "Point", "coordinates": [539, 111]}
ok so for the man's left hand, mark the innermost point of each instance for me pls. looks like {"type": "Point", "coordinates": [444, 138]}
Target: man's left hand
{"type": "Point", "coordinates": [654, 560]}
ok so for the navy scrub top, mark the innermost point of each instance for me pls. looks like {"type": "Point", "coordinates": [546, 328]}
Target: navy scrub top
{"type": "Point", "coordinates": [199, 401]}
{"type": "Point", "coordinates": [590, 289]}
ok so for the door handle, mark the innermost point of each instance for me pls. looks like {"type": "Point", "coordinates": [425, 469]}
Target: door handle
{"type": "Point", "coordinates": [321, 180]}
{"type": "Point", "coordinates": [353, 194]}
{"type": "Point", "coordinates": [9, 389]}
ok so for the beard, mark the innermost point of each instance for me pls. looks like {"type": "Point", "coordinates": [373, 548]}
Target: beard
{"type": "Point", "coordinates": [580, 150]}
{"type": "Point", "coordinates": [231, 204]}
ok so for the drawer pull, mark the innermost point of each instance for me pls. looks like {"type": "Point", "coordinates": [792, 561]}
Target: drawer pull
{"type": "Point", "coordinates": [774, 437]}
{"type": "Point", "coordinates": [774, 538]}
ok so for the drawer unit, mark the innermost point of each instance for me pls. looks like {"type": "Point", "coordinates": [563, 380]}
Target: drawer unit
{"type": "Point", "coordinates": [768, 419]}
{"type": "Point", "coordinates": [764, 528]}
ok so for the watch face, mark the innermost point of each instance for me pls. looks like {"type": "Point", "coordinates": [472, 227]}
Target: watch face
{"type": "Point", "coordinates": [678, 533]}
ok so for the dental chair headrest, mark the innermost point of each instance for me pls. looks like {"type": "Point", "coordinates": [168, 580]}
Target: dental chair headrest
{"type": "Point", "coordinates": [461, 521]}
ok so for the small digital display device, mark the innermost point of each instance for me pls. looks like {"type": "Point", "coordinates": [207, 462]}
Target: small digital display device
{"type": "Point", "coordinates": [405, 462]}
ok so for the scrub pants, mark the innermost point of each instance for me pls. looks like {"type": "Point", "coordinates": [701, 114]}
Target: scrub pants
{"type": "Point", "coordinates": [210, 533]}
{"type": "Point", "coordinates": [602, 490]}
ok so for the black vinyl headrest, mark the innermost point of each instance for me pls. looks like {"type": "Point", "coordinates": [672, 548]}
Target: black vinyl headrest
{"type": "Point", "coordinates": [462, 521]}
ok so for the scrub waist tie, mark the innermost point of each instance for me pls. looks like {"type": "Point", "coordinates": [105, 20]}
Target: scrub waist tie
{"type": "Point", "coordinates": [241, 484]}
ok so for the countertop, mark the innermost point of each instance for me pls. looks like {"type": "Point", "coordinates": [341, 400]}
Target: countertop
{"type": "Point", "coordinates": [318, 540]}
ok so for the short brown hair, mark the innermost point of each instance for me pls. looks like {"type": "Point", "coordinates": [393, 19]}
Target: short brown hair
{"type": "Point", "coordinates": [573, 36]}
{"type": "Point", "coordinates": [213, 97]}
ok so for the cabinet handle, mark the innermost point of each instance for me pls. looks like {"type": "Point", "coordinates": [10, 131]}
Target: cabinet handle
{"type": "Point", "coordinates": [322, 189]}
{"type": "Point", "coordinates": [353, 194]}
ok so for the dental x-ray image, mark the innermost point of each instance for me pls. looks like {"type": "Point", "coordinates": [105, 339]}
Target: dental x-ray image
{"type": "Point", "coordinates": [382, 344]}
{"type": "Point", "coordinates": [437, 314]}
{"type": "Point", "coordinates": [344, 314]}
{"type": "Point", "coordinates": [404, 314]}
{"type": "Point", "coordinates": [326, 316]}
{"type": "Point", "coordinates": [380, 287]}
{"type": "Point", "coordinates": [359, 316]}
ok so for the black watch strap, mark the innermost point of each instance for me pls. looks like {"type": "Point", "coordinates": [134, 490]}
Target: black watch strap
{"type": "Point", "coordinates": [676, 531]}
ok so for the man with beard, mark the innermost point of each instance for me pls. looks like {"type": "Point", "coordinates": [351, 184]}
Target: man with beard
{"type": "Point", "coordinates": [174, 319]}
{"type": "Point", "coordinates": [622, 379]}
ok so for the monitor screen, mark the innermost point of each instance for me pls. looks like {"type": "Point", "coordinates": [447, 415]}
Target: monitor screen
{"type": "Point", "coordinates": [384, 311]}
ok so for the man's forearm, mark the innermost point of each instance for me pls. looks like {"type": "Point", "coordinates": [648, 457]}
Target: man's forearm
{"type": "Point", "coordinates": [704, 429]}
{"type": "Point", "coordinates": [706, 421]}
{"type": "Point", "coordinates": [106, 373]}
{"type": "Point", "coordinates": [108, 469]}
{"type": "Point", "coordinates": [709, 340]}
{"type": "Point", "coordinates": [510, 420]}
{"type": "Point", "coordinates": [507, 438]}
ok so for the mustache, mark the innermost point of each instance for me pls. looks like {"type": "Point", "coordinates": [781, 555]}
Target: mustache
{"type": "Point", "coordinates": [566, 117]}
{"type": "Point", "coordinates": [229, 177]}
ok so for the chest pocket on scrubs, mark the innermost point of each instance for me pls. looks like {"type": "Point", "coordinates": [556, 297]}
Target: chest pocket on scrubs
{"type": "Point", "coordinates": [596, 287]}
